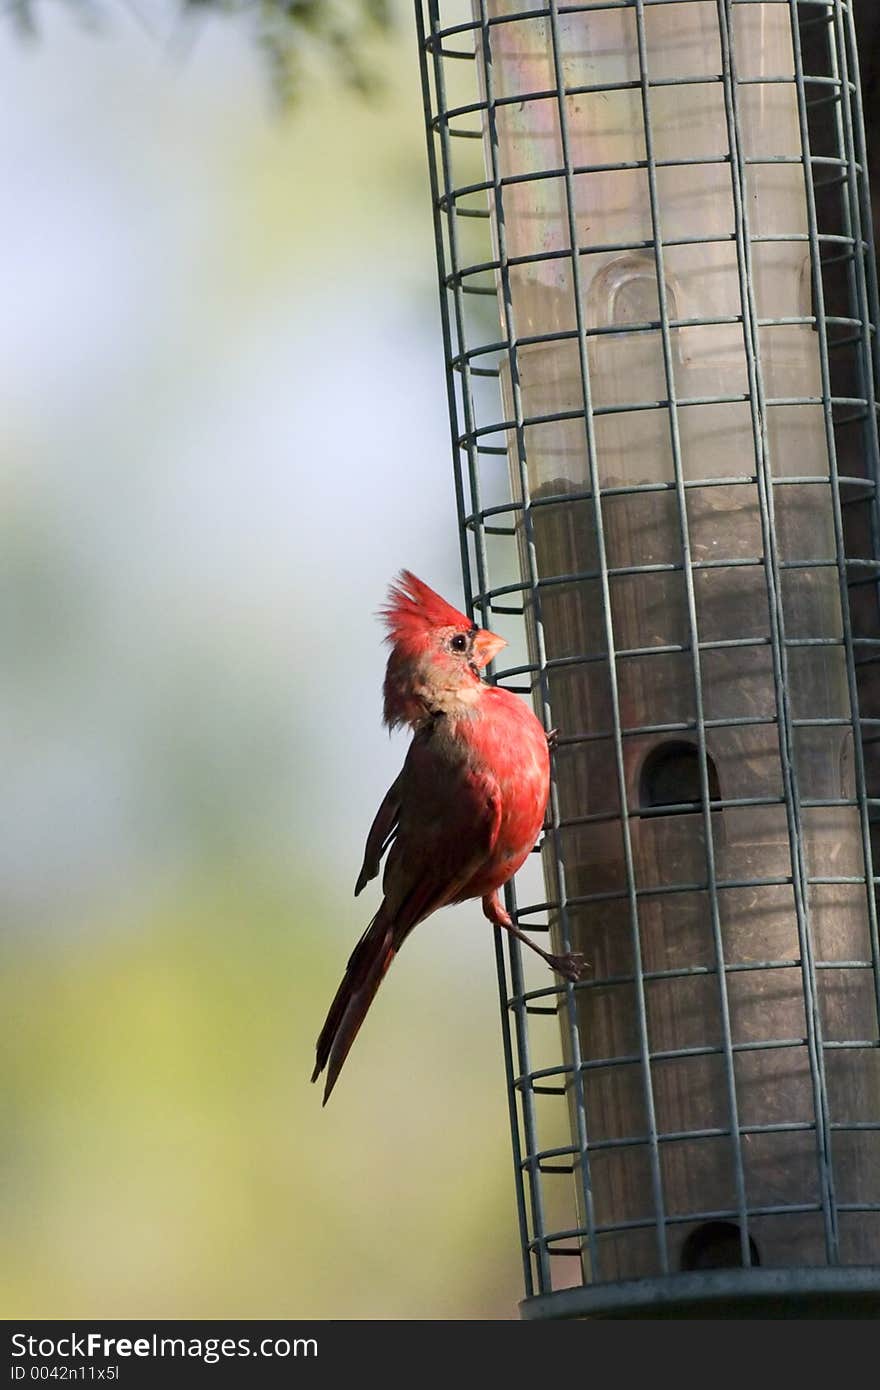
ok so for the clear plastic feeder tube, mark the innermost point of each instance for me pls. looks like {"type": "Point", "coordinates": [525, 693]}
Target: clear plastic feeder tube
{"type": "Point", "coordinates": [670, 419]}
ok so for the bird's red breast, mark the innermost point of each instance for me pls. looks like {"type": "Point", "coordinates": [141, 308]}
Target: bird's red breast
{"type": "Point", "coordinates": [505, 740]}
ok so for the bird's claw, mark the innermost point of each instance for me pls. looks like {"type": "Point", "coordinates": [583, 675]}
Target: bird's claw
{"type": "Point", "coordinates": [572, 965]}
{"type": "Point", "coordinates": [553, 739]}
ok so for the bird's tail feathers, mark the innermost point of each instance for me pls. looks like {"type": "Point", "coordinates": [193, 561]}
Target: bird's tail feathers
{"type": "Point", "coordinates": [364, 974]}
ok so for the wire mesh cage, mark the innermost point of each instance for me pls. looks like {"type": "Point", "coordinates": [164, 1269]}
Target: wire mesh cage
{"type": "Point", "coordinates": [659, 304]}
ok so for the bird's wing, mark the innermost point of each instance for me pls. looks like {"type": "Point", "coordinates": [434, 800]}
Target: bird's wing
{"type": "Point", "coordinates": [443, 816]}
{"type": "Point", "coordinates": [369, 963]}
{"type": "Point", "coordinates": [447, 825]}
{"type": "Point", "coordinates": [382, 832]}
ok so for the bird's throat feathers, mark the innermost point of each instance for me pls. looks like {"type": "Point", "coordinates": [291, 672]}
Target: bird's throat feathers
{"type": "Point", "coordinates": [420, 688]}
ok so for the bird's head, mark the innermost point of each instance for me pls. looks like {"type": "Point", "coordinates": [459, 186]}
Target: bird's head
{"type": "Point", "coordinates": [437, 653]}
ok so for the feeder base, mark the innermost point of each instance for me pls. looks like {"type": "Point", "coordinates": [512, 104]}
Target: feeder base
{"type": "Point", "coordinates": [852, 1292]}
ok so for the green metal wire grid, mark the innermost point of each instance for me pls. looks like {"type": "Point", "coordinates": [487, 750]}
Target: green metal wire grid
{"type": "Point", "coordinates": [577, 1219]}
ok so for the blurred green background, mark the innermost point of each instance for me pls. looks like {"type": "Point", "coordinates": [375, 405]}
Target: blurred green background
{"type": "Point", "coordinates": [222, 428]}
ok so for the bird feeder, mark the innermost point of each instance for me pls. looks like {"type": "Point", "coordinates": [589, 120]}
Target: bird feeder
{"type": "Point", "coordinates": [659, 308]}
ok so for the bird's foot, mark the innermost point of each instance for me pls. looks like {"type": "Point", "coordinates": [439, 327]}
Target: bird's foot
{"type": "Point", "coordinates": [572, 965]}
{"type": "Point", "coordinates": [553, 740]}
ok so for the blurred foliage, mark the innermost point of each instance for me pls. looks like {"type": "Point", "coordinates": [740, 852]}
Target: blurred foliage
{"type": "Point", "coordinates": [165, 1155]}
{"type": "Point", "coordinates": [292, 32]}
{"type": "Point", "coordinates": [295, 36]}
{"type": "Point", "coordinates": [195, 398]}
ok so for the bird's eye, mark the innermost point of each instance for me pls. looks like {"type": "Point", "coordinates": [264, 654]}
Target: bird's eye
{"type": "Point", "coordinates": [459, 642]}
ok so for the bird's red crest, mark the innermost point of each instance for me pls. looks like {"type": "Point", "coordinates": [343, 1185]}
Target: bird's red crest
{"type": "Point", "coordinates": [414, 610]}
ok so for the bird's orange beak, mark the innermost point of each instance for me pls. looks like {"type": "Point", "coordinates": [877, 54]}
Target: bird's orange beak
{"type": "Point", "coordinates": [486, 645]}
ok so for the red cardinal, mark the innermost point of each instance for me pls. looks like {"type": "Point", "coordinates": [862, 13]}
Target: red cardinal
{"type": "Point", "coordinates": [466, 809]}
